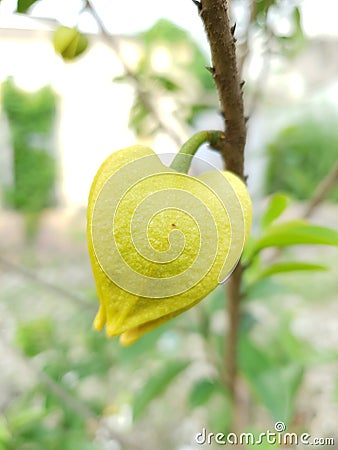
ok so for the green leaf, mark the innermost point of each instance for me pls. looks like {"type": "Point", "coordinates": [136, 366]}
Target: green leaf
{"type": "Point", "coordinates": [275, 385]}
{"type": "Point", "coordinates": [139, 117]}
{"type": "Point", "coordinates": [167, 34]}
{"type": "Point", "coordinates": [156, 385]}
{"type": "Point", "coordinates": [202, 391]}
{"type": "Point", "coordinates": [120, 79]}
{"type": "Point", "coordinates": [166, 83]}
{"type": "Point", "coordinates": [219, 415]}
{"type": "Point", "coordinates": [295, 233]}
{"type": "Point", "coordinates": [26, 419]}
{"type": "Point", "coordinates": [24, 5]}
{"type": "Point", "coordinates": [278, 388]}
{"type": "Point", "coordinates": [36, 336]}
{"type": "Point", "coordinates": [5, 434]}
{"type": "Point", "coordinates": [193, 111]}
{"type": "Point", "coordinates": [293, 163]}
{"type": "Point", "coordinates": [263, 288]}
{"type": "Point", "coordinates": [298, 20]}
{"type": "Point", "coordinates": [261, 10]}
{"type": "Point", "coordinates": [290, 266]}
{"type": "Point", "coordinates": [275, 208]}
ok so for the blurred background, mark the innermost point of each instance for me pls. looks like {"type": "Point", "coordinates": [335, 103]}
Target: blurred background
{"type": "Point", "coordinates": [143, 79]}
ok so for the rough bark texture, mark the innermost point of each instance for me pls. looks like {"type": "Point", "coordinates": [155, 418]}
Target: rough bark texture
{"type": "Point", "coordinates": [215, 16]}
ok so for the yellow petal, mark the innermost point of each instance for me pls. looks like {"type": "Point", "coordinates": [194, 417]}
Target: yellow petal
{"type": "Point", "coordinates": [160, 241]}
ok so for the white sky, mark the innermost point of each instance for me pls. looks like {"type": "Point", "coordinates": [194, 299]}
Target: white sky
{"type": "Point", "coordinates": [319, 17]}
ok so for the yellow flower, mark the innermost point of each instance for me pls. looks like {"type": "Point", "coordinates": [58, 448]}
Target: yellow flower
{"type": "Point", "coordinates": [160, 241]}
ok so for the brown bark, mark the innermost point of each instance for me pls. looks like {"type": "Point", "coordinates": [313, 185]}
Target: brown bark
{"type": "Point", "coordinates": [215, 16]}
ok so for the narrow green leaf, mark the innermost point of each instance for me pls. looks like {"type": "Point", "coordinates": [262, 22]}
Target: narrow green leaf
{"type": "Point", "coordinates": [26, 419]}
{"type": "Point", "coordinates": [297, 19]}
{"type": "Point", "coordinates": [24, 5]}
{"type": "Point", "coordinates": [277, 389]}
{"type": "Point", "coordinates": [202, 391]}
{"type": "Point", "coordinates": [275, 208]}
{"type": "Point", "coordinates": [166, 83]}
{"type": "Point", "coordinates": [295, 233]}
{"type": "Point", "coordinates": [138, 118]}
{"type": "Point", "coordinates": [275, 385]}
{"type": "Point", "coordinates": [5, 434]}
{"type": "Point", "coordinates": [261, 10]}
{"type": "Point", "coordinates": [290, 266]}
{"type": "Point", "coordinates": [156, 385]}
{"type": "Point", "coordinates": [263, 288]}
{"type": "Point", "coordinates": [120, 79]}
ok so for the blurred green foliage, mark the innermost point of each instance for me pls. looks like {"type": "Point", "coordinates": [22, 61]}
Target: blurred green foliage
{"type": "Point", "coordinates": [36, 336]}
{"type": "Point", "coordinates": [31, 119]}
{"type": "Point", "coordinates": [301, 155]}
{"type": "Point", "coordinates": [272, 359]}
{"type": "Point", "coordinates": [187, 56]}
{"type": "Point", "coordinates": [161, 72]}
{"type": "Point", "coordinates": [289, 43]}
{"type": "Point", "coordinates": [95, 374]}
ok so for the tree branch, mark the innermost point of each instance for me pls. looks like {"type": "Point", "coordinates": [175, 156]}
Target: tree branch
{"type": "Point", "coordinates": [64, 293]}
{"type": "Point", "coordinates": [68, 399]}
{"type": "Point", "coordinates": [323, 188]}
{"type": "Point", "coordinates": [215, 16]}
{"type": "Point", "coordinates": [114, 44]}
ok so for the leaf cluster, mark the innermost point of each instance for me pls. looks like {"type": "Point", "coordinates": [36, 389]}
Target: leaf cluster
{"type": "Point", "coordinates": [293, 163]}
{"type": "Point", "coordinates": [31, 118]}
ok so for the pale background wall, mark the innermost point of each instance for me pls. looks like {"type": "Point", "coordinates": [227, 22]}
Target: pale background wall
{"type": "Point", "coordinates": [93, 111]}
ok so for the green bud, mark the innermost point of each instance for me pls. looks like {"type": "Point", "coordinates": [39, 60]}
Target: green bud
{"type": "Point", "coordinates": [69, 42]}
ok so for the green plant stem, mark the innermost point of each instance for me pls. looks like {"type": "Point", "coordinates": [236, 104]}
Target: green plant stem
{"type": "Point", "coordinates": [182, 160]}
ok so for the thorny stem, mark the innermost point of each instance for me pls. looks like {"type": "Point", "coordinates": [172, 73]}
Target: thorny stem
{"type": "Point", "coordinates": [114, 44]}
{"type": "Point", "coordinates": [217, 25]}
{"type": "Point", "coordinates": [215, 16]}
